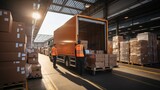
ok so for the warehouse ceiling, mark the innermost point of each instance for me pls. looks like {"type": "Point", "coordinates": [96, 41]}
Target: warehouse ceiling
{"type": "Point", "coordinates": [70, 7]}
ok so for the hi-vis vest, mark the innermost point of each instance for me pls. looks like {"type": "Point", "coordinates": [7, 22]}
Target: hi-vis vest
{"type": "Point", "coordinates": [79, 50]}
{"type": "Point", "coordinates": [54, 51]}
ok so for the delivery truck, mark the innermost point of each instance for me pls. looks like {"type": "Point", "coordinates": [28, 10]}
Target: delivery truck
{"type": "Point", "coordinates": [92, 32]}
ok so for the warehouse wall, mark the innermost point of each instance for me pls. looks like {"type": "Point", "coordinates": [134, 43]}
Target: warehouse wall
{"type": "Point", "coordinates": [98, 14]}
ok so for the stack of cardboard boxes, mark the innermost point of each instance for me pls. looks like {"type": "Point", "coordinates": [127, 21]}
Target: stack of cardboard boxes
{"type": "Point", "coordinates": [116, 46]}
{"type": "Point", "coordinates": [124, 51]}
{"type": "Point", "coordinates": [143, 49]}
{"type": "Point", "coordinates": [99, 59]}
{"type": "Point", "coordinates": [33, 67]}
{"type": "Point", "coordinates": [12, 53]}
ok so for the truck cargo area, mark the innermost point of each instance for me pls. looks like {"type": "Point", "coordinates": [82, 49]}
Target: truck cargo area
{"type": "Point", "coordinates": [92, 31]}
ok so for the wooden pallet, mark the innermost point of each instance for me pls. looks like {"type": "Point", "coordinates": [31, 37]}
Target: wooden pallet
{"type": "Point", "coordinates": [14, 86]}
{"type": "Point", "coordinates": [95, 69]}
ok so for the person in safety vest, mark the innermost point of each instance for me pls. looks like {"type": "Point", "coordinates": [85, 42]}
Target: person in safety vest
{"type": "Point", "coordinates": [80, 57]}
{"type": "Point", "coordinates": [54, 54]}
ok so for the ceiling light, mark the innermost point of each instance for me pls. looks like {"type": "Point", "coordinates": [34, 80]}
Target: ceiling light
{"type": "Point", "coordinates": [126, 17]}
{"type": "Point", "coordinates": [87, 5]}
{"type": "Point", "coordinates": [140, 26]}
{"type": "Point", "coordinates": [36, 15]}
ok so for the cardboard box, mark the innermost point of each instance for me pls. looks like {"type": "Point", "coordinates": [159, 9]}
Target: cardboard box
{"type": "Point", "coordinates": [99, 64]}
{"type": "Point", "coordinates": [5, 21]}
{"type": "Point", "coordinates": [117, 38]}
{"type": "Point", "coordinates": [106, 62]}
{"type": "Point", "coordinates": [13, 37]}
{"type": "Point", "coordinates": [112, 60]}
{"type": "Point", "coordinates": [35, 74]}
{"type": "Point", "coordinates": [33, 54]}
{"type": "Point", "coordinates": [32, 60]}
{"type": "Point", "coordinates": [35, 67]}
{"type": "Point", "coordinates": [11, 70]}
{"type": "Point", "coordinates": [17, 34]}
{"type": "Point", "coordinates": [12, 47]}
{"type": "Point", "coordinates": [32, 50]}
{"type": "Point", "coordinates": [13, 56]}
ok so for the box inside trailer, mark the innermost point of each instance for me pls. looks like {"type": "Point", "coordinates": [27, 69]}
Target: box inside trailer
{"type": "Point", "coordinates": [94, 32]}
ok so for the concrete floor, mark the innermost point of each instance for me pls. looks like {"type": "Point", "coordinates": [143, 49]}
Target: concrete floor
{"type": "Point", "coordinates": [125, 77]}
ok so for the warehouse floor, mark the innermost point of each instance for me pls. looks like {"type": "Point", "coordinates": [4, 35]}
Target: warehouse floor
{"type": "Point", "coordinates": [124, 77]}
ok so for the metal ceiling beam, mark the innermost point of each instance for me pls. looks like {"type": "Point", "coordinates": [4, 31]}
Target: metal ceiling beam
{"type": "Point", "coordinates": [67, 6]}
{"type": "Point", "coordinates": [82, 1]}
{"type": "Point", "coordinates": [60, 12]}
{"type": "Point", "coordinates": [63, 4]}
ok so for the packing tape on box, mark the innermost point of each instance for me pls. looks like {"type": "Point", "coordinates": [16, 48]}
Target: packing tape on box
{"type": "Point", "coordinates": [5, 12]}
{"type": "Point", "coordinates": [17, 29]}
{"type": "Point", "coordinates": [0, 13]}
{"type": "Point", "coordinates": [6, 19]}
{"type": "Point", "coordinates": [19, 54]}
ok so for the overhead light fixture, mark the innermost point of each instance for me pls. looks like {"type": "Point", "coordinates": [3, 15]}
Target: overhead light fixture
{"type": "Point", "coordinates": [140, 26]}
{"type": "Point", "coordinates": [36, 15]}
{"type": "Point", "coordinates": [126, 17]}
{"type": "Point", "coordinates": [87, 5]}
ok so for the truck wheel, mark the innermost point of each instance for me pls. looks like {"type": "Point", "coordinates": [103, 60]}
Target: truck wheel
{"type": "Point", "coordinates": [67, 62]}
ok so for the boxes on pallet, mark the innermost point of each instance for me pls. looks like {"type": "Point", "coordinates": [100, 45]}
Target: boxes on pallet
{"type": "Point", "coordinates": [124, 51]}
{"type": "Point", "coordinates": [117, 38]}
{"type": "Point", "coordinates": [35, 74]}
{"type": "Point", "coordinates": [116, 46]}
{"type": "Point", "coordinates": [5, 21]}
{"type": "Point", "coordinates": [106, 61]}
{"type": "Point", "coordinates": [16, 35]}
{"type": "Point", "coordinates": [13, 56]}
{"type": "Point", "coordinates": [151, 39]}
{"type": "Point", "coordinates": [12, 47]}
{"type": "Point", "coordinates": [112, 60]}
{"type": "Point", "coordinates": [99, 64]}
{"type": "Point", "coordinates": [35, 71]}
{"type": "Point", "coordinates": [32, 60]}
{"type": "Point", "coordinates": [10, 70]}
{"type": "Point", "coordinates": [35, 67]}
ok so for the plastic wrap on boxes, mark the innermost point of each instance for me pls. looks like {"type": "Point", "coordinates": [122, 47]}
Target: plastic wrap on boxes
{"type": "Point", "coordinates": [124, 51]}
{"type": "Point", "coordinates": [117, 38]}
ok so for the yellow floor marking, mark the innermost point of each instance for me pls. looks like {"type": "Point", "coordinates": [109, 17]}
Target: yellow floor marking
{"type": "Point", "coordinates": [146, 83]}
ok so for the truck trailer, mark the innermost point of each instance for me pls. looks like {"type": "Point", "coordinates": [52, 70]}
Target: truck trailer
{"type": "Point", "coordinates": [93, 31]}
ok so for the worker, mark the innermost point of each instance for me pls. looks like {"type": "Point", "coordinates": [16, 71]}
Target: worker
{"type": "Point", "coordinates": [80, 57]}
{"type": "Point", "coordinates": [54, 54]}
